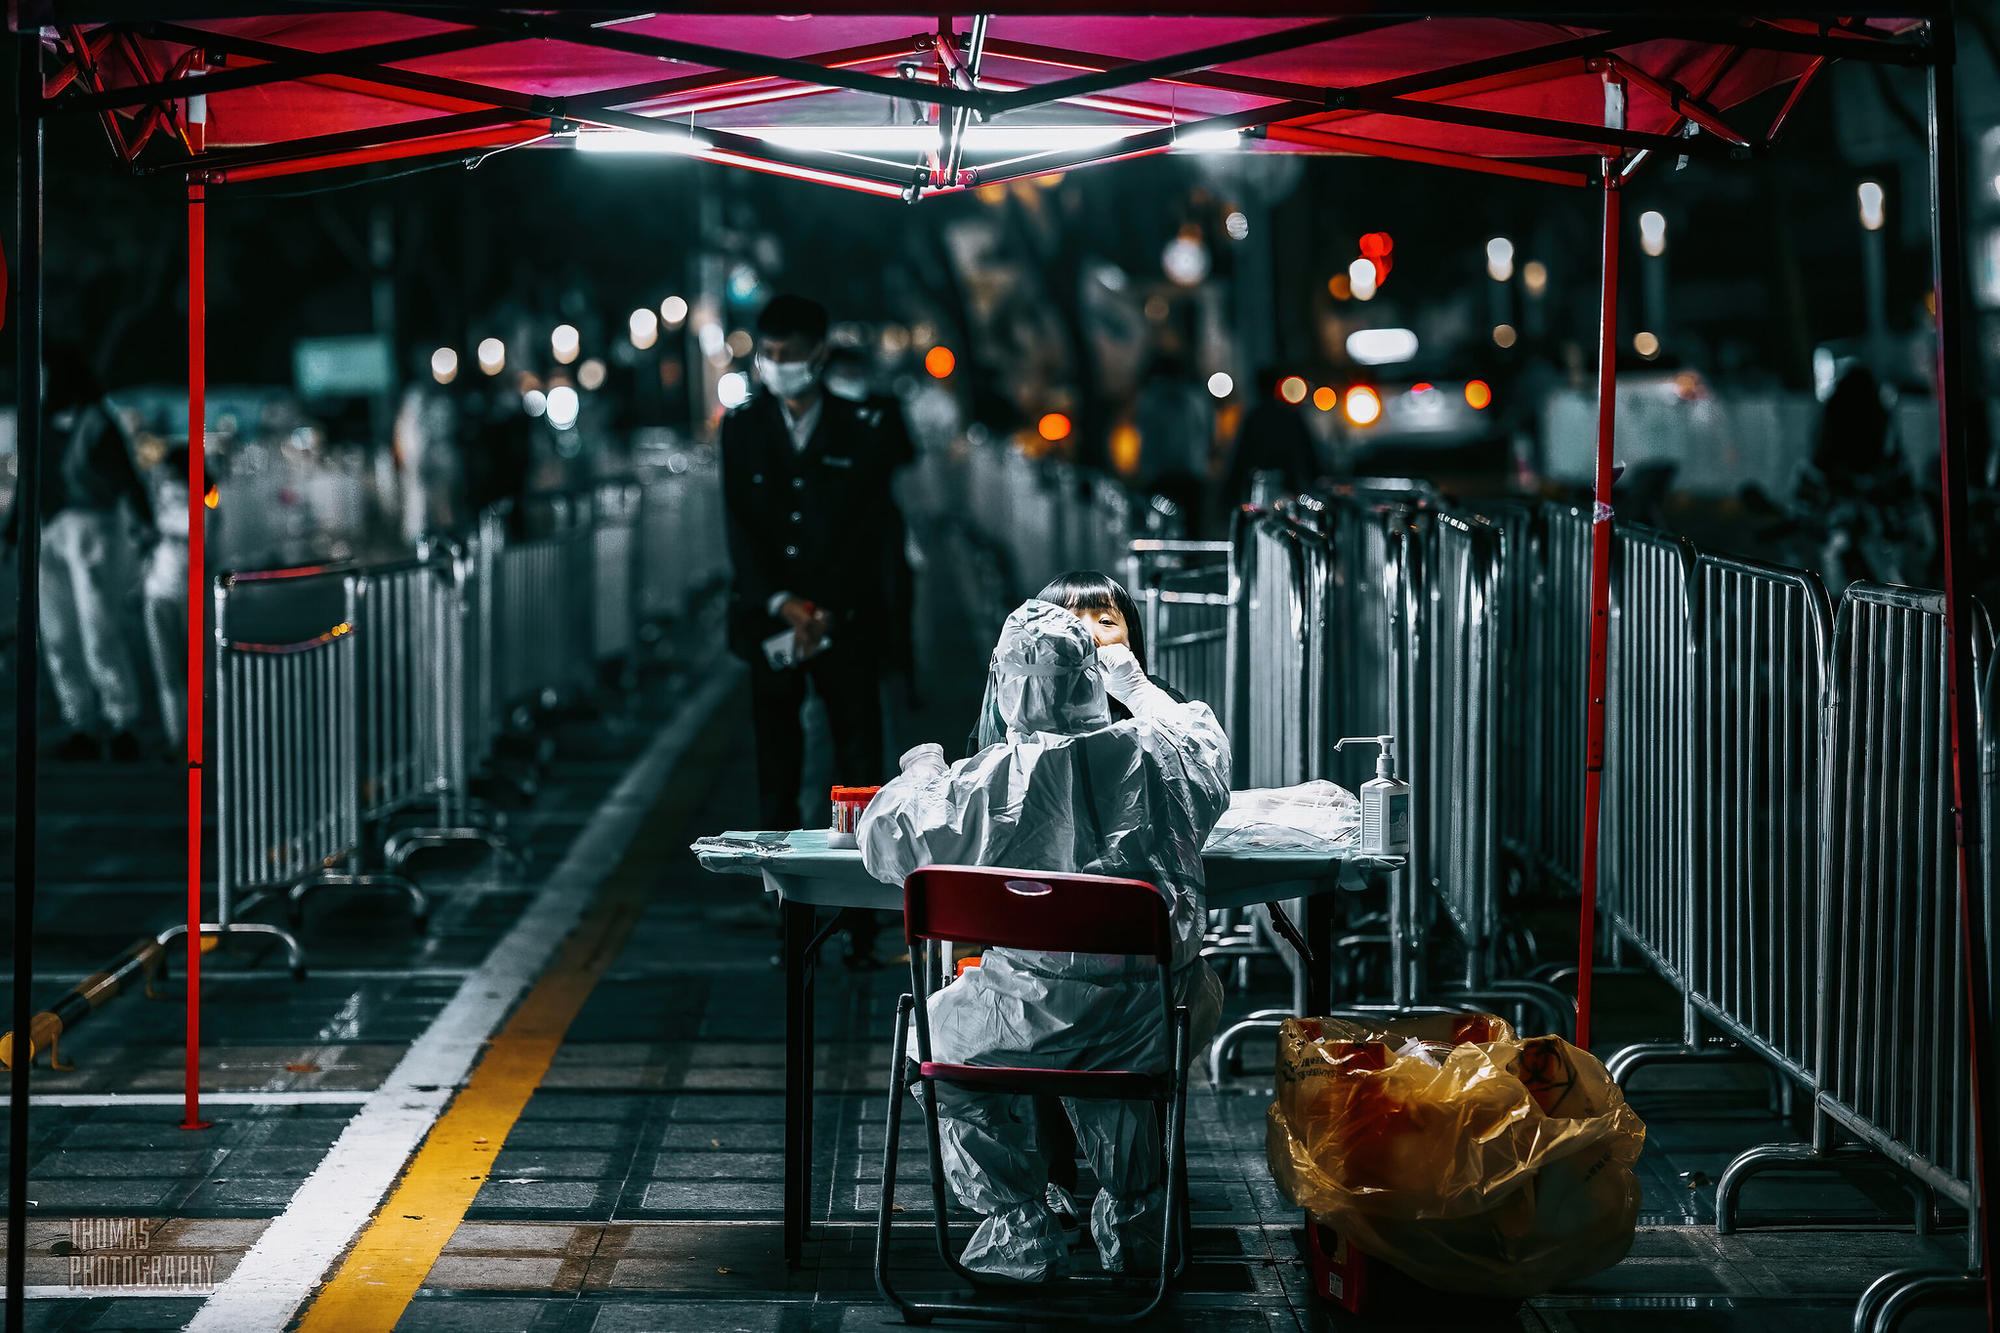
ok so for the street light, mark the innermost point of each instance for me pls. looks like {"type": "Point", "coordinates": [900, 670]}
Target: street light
{"type": "Point", "coordinates": [644, 327]}
{"type": "Point", "coordinates": [563, 407]}
{"type": "Point", "coordinates": [1653, 240]}
{"type": "Point", "coordinates": [1870, 196]}
{"type": "Point", "coordinates": [1653, 233]}
{"type": "Point", "coordinates": [1361, 279]}
{"type": "Point", "coordinates": [565, 342]}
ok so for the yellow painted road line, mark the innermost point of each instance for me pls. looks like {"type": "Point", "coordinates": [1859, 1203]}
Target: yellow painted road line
{"type": "Point", "coordinates": [391, 1258]}
{"type": "Point", "coordinates": [394, 1255]}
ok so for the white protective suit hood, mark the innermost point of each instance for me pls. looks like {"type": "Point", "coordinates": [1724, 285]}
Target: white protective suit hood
{"type": "Point", "coordinates": [1044, 676]}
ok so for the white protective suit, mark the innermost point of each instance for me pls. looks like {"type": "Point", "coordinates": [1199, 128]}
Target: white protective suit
{"type": "Point", "coordinates": [1067, 791]}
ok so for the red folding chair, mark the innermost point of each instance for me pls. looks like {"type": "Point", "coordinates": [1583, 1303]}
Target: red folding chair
{"type": "Point", "coordinates": [1027, 909]}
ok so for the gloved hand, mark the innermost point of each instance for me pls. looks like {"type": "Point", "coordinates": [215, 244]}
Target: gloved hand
{"type": "Point", "coordinates": [925, 758]}
{"type": "Point", "coordinates": [1121, 673]}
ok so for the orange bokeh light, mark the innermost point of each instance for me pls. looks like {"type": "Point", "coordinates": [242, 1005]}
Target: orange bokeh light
{"type": "Point", "coordinates": [1054, 426]}
{"type": "Point", "coordinates": [939, 362]}
{"type": "Point", "coordinates": [1478, 394]}
{"type": "Point", "coordinates": [1292, 389]}
{"type": "Point", "coordinates": [1324, 398]}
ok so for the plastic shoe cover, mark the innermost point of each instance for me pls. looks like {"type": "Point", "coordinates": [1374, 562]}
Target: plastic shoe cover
{"type": "Point", "coordinates": [1128, 1231]}
{"type": "Point", "coordinates": [1068, 1216]}
{"type": "Point", "coordinates": [1020, 1245]}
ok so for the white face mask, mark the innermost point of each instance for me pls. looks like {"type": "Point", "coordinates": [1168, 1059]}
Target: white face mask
{"type": "Point", "coordinates": [787, 379]}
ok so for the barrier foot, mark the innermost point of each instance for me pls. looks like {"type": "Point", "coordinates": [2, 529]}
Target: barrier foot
{"type": "Point", "coordinates": [420, 903]}
{"type": "Point", "coordinates": [1805, 1157]}
{"type": "Point", "coordinates": [1890, 1296]}
{"type": "Point", "coordinates": [408, 842]}
{"type": "Point", "coordinates": [1558, 1011]}
{"type": "Point", "coordinates": [1630, 1059]}
{"type": "Point", "coordinates": [294, 955]}
{"type": "Point", "coordinates": [1222, 1051]}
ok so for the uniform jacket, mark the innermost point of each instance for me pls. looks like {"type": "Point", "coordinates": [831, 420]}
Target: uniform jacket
{"type": "Point", "coordinates": [817, 522]}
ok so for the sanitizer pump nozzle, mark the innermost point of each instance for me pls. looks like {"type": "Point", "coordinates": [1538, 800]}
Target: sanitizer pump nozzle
{"type": "Point", "coordinates": [1385, 801]}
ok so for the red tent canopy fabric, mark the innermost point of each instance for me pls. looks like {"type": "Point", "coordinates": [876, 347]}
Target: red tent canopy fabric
{"type": "Point", "coordinates": [741, 87]}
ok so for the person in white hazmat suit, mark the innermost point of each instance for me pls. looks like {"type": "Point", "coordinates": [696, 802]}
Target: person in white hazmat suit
{"type": "Point", "coordinates": [1067, 791]}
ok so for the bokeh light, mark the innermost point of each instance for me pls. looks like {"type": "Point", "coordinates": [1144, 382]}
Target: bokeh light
{"type": "Point", "coordinates": [565, 342]}
{"type": "Point", "coordinates": [1364, 405]}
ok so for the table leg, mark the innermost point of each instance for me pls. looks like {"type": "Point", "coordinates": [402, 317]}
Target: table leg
{"type": "Point", "coordinates": [1319, 938]}
{"type": "Point", "coordinates": [798, 930]}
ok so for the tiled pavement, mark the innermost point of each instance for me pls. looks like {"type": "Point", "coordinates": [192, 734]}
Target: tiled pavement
{"type": "Point", "coordinates": [639, 1190]}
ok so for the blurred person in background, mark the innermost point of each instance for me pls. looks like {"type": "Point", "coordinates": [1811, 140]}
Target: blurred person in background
{"type": "Point", "coordinates": [1176, 433]}
{"type": "Point", "coordinates": [165, 593]}
{"type": "Point", "coordinates": [814, 538]}
{"type": "Point", "coordinates": [496, 451]}
{"type": "Point", "coordinates": [1856, 497]}
{"type": "Point", "coordinates": [1273, 438]}
{"type": "Point", "coordinates": [429, 460]}
{"type": "Point", "coordinates": [87, 476]}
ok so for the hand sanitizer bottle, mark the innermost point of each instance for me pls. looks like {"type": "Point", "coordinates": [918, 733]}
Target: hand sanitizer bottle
{"type": "Point", "coordinates": [1385, 802]}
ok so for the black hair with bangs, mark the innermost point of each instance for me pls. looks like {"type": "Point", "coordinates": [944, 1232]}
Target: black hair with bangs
{"type": "Point", "coordinates": [1088, 590]}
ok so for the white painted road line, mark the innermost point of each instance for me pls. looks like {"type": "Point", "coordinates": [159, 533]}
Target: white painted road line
{"type": "Point", "coordinates": [288, 1097]}
{"type": "Point", "coordinates": [337, 1199]}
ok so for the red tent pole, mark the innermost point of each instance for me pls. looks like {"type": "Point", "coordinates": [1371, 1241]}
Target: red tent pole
{"type": "Point", "coordinates": [1600, 576]}
{"type": "Point", "coordinates": [197, 582]}
{"type": "Point", "coordinates": [1961, 686]}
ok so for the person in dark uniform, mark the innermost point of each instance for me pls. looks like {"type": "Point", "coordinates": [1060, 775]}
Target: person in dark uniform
{"type": "Point", "coordinates": [805, 486]}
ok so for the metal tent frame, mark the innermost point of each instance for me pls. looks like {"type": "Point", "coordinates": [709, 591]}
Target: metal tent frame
{"type": "Point", "coordinates": [113, 63]}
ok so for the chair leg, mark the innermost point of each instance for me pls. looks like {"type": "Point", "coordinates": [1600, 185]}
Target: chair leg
{"type": "Point", "coordinates": [893, 1130]}
{"type": "Point", "coordinates": [940, 1195]}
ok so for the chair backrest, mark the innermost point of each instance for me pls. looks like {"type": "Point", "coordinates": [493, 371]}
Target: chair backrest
{"type": "Point", "coordinates": [1031, 909]}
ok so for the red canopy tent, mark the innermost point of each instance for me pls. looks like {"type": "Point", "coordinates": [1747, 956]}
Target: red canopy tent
{"type": "Point", "coordinates": [906, 107]}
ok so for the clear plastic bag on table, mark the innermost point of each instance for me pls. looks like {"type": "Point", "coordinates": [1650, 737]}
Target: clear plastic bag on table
{"type": "Point", "coordinates": [1312, 817]}
{"type": "Point", "coordinates": [1468, 1157]}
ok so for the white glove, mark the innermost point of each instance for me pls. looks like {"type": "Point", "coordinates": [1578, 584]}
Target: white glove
{"type": "Point", "coordinates": [928, 757]}
{"type": "Point", "coordinates": [1119, 669]}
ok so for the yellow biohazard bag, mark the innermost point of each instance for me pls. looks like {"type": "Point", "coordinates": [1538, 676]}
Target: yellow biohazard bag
{"type": "Point", "coordinates": [1471, 1159]}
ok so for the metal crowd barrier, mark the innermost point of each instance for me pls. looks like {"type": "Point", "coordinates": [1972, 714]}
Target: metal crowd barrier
{"type": "Point", "coordinates": [545, 611]}
{"type": "Point", "coordinates": [453, 699]}
{"type": "Point", "coordinates": [681, 551]}
{"type": "Point", "coordinates": [1890, 1053]}
{"type": "Point", "coordinates": [1185, 591]}
{"type": "Point", "coordinates": [1519, 718]}
{"type": "Point", "coordinates": [288, 765]}
{"type": "Point", "coordinates": [1458, 821]}
{"type": "Point", "coordinates": [1280, 602]}
{"type": "Point", "coordinates": [1760, 639]}
{"type": "Point", "coordinates": [344, 697]}
{"type": "Point", "coordinates": [615, 611]}
{"type": "Point", "coordinates": [1561, 678]}
{"type": "Point", "coordinates": [1037, 518]}
{"type": "Point", "coordinates": [397, 608]}
{"type": "Point", "coordinates": [1647, 849]}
